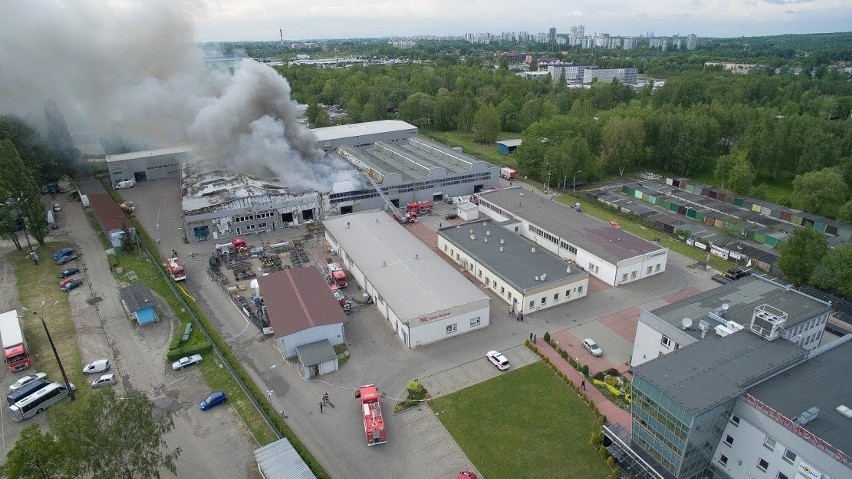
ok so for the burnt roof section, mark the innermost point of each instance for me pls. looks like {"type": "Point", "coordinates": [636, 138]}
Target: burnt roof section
{"type": "Point", "coordinates": [807, 385]}
{"type": "Point", "coordinates": [298, 299]}
{"type": "Point", "coordinates": [137, 297]}
{"type": "Point", "coordinates": [517, 260]}
{"type": "Point", "coordinates": [598, 238]}
{"type": "Point", "coordinates": [717, 369]}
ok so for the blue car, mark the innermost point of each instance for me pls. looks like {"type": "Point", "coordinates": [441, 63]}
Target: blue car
{"type": "Point", "coordinates": [214, 399]}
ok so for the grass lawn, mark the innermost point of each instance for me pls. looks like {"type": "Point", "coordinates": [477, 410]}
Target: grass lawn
{"type": "Point", "coordinates": [37, 283]}
{"type": "Point", "coordinates": [525, 423]}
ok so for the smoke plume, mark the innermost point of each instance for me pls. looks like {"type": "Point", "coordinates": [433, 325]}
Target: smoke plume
{"type": "Point", "coordinates": [132, 69]}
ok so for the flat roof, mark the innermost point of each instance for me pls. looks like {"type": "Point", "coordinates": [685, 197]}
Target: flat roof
{"type": "Point", "coordinates": [409, 275]}
{"type": "Point", "coordinates": [175, 150]}
{"type": "Point", "coordinates": [510, 143]}
{"type": "Point", "coordinates": [516, 264]}
{"type": "Point", "coordinates": [279, 460]}
{"type": "Point", "coordinates": [316, 352]}
{"type": "Point", "coordinates": [297, 299]}
{"type": "Point", "coordinates": [717, 369]}
{"type": "Point", "coordinates": [591, 234]}
{"type": "Point", "coordinates": [820, 382]}
{"type": "Point", "coordinates": [742, 297]}
{"type": "Point", "coordinates": [329, 133]}
{"type": "Point", "coordinates": [108, 213]}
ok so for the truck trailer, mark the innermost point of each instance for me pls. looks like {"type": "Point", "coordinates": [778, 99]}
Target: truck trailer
{"type": "Point", "coordinates": [374, 422]}
{"type": "Point", "coordinates": [15, 351]}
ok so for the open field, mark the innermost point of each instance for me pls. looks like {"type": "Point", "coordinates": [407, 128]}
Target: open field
{"type": "Point", "coordinates": [524, 423]}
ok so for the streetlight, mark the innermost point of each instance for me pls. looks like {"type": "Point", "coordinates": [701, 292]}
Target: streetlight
{"type": "Point", "coordinates": [575, 181]}
{"type": "Point", "coordinates": [53, 346]}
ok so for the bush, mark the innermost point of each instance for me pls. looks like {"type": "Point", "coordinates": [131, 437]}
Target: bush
{"type": "Point", "coordinates": [613, 372]}
{"type": "Point", "coordinates": [416, 391]}
{"type": "Point", "coordinates": [189, 350]}
{"type": "Point", "coordinates": [546, 337]}
{"type": "Point", "coordinates": [599, 376]}
{"type": "Point", "coordinates": [585, 370]}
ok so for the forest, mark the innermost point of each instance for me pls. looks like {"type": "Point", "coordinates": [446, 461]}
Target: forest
{"type": "Point", "coordinates": [772, 134]}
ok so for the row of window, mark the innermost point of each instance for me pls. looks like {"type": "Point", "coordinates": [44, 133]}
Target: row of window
{"type": "Point", "coordinates": [768, 442]}
{"type": "Point", "coordinates": [453, 328]}
{"type": "Point", "coordinates": [496, 209]}
{"type": "Point", "coordinates": [258, 216]}
{"type": "Point", "coordinates": [667, 342]}
{"type": "Point", "coordinates": [259, 226]}
{"type": "Point", "coordinates": [418, 186]}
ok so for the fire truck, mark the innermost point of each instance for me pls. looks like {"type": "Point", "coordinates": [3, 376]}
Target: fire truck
{"type": "Point", "coordinates": [176, 269]}
{"type": "Point", "coordinates": [419, 208]}
{"type": "Point", "coordinates": [374, 422]}
{"type": "Point", "coordinates": [508, 173]}
{"type": "Point", "coordinates": [336, 275]}
{"type": "Point", "coordinates": [14, 345]}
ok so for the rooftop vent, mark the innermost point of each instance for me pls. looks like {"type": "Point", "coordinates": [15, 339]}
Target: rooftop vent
{"type": "Point", "coordinates": [768, 322]}
{"type": "Point", "coordinates": [384, 264]}
{"type": "Point", "coordinates": [704, 326]}
{"type": "Point", "coordinates": [845, 411]}
{"type": "Point", "coordinates": [532, 250]}
{"type": "Point", "coordinates": [472, 237]}
{"type": "Point", "coordinates": [807, 416]}
{"type": "Point", "coordinates": [722, 330]}
{"type": "Point", "coordinates": [569, 269]}
{"type": "Point", "coordinates": [486, 240]}
{"type": "Point", "coordinates": [543, 277]}
{"type": "Point", "coordinates": [487, 232]}
{"type": "Point", "coordinates": [501, 240]}
{"type": "Point", "coordinates": [501, 248]}
{"type": "Point", "coordinates": [536, 278]}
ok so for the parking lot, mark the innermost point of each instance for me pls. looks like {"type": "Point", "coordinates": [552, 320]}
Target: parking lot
{"type": "Point", "coordinates": [335, 436]}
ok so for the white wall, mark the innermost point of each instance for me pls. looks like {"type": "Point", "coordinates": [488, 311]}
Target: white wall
{"type": "Point", "coordinates": [331, 332]}
{"type": "Point", "coordinates": [648, 343]}
{"type": "Point", "coordinates": [437, 330]}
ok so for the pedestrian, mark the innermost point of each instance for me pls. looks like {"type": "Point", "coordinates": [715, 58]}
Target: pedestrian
{"type": "Point", "coordinates": [511, 311]}
{"type": "Point", "coordinates": [583, 384]}
{"type": "Point", "coordinates": [325, 398]}
{"type": "Point", "coordinates": [518, 316]}
{"type": "Point", "coordinates": [521, 317]}
{"type": "Point", "coordinates": [440, 225]}
{"type": "Point", "coordinates": [321, 407]}
{"type": "Point", "coordinates": [535, 338]}
{"type": "Point", "coordinates": [531, 337]}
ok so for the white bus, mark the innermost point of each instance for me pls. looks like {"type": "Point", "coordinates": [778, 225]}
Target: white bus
{"type": "Point", "coordinates": [38, 401]}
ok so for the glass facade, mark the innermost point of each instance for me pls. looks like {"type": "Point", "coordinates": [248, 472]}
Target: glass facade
{"type": "Point", "coordinates": [680, 442]}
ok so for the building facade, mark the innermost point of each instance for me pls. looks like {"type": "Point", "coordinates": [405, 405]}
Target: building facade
{"type": "Point", "coordinates": [146, 165]}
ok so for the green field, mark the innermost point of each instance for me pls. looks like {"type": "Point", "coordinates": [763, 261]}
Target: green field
{"type": "Point", "coordinates": [524, 423]}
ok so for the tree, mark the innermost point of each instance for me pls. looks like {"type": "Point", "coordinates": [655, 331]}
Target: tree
{"type": "Point", "coordinates": [317, 117]}
{"type": "Point", "coordinates": [820, 192]}
{"type": "Point", "coordinates": [801, 253]}
{"type": "Point", "coordinates": [845, 213]}
{"type": "Point", "coordinates": [487, 123]}
{"type": "Point", "coordinates": [59, 139]}
{"type": "Point", "coordinates": [834, 272]}
{"type": "Point", "coordinates": [35, 455]}
{"type": "Point", "coordinates": [741, 174]}
{"type": "Point", "coordinates": [17, 182]}
{"type": "Point", "coordinates": [623, 143]}
{"type": "Point", "coordinates": [128, 241]}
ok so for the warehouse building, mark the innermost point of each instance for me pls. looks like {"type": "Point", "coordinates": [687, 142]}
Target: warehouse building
{"type": "Point", "coordinates": [797, 317]}
{"type": "Point", "coordinates": [146, 165]}
{"type": "Point", "coordinates": [606, 251]}
{"type": "Point", "coordinates": [304, 316]}
{"type": "Point", "coordinates": [527, 278]}
{"type": "Point", "coordinates": [363, 134]}
{"type": "Point", "coordinates": [423, 298]}
{"type": "Point", "coordinates": [740, 405]}
{"type": "Point", "coordinates": [218, 203]}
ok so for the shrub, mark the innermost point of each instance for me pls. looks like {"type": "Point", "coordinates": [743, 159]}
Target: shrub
{"type": "Point", "coordinates": [416, 391]}
{"type": "Point", "coordinates": [613, 372]}
{"type": "Point", "coordinates": [585, 370]}
{"type": "Point", "coordinates": [599, 376]}
{"type": "Point", "coordinates": [546, 337]}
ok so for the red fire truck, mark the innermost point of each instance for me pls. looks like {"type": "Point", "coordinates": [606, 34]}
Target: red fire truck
{"type": "Point", "coordinates": [176, 269]}
{"type": "Point", "coordinates": [374, 422]}
{"type": "Point", "coordinates": [14, 345]}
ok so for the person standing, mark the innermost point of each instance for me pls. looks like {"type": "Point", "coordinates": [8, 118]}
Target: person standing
{"type": "Point", "coordinates": [583, 385]}
{"type": "Point", "coordinates": [531, 337]}
{"type": "Point", "coordinates": [321, 407]}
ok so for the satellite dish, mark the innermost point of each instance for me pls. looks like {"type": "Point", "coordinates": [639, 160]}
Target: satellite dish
{"type": "Point", "coordinates": [725, 306]}
{"type": "Point", "coordinates": [686, 323]}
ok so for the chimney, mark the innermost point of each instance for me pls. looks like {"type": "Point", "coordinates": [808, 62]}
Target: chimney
{"type": "Point", "coordinates": [501, 248]}
{"type": "Point", "coordinates": [487, 232]}
{"type": "Point", "coordinates": [501, 240]}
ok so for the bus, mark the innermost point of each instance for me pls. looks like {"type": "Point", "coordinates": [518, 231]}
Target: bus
{"type": "Point", "coordinates": [38, 401]}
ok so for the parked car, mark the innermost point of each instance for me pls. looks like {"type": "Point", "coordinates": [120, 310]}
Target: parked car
{"type": "Point", "coordinates": [66, 259]}
{"type": "Point", "coordinates": [186, 361]}
{"type": "Point", "coordinates": [69, 272]}
{"type": "Point", "coordinates": [592, 347]}
{"type": "Point", "coordinates": [498, 360]}
{"type": "Point", "coordinates": [65, 281]}
{"type": "Point", "coordinates": [98, 366]}
{"type": "Point", "coordinates": [214, 399]}
{"type": "Point", "coordinates": [450, 216]}
{"type": "Point", "coordinates": [61, 253]}
{"type": "Point", "coordinates": [104, 380]}
{"type": "Point", "coordinates": [74, 283]}
{"type": "Point", "coordinates": [26, 380]}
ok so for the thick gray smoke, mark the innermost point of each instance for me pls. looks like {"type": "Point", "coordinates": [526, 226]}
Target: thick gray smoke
{"type": "Point", "coordinates": [131, 69]}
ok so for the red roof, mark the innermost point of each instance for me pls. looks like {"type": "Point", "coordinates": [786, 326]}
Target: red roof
{"type": "Point", "coordinates": [108, 213]}
{"type": "Point", "coordinates": [298, 299]}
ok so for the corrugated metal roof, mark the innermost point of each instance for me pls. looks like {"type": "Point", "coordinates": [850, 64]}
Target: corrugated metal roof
{"type": "Point", "coordinates": [297, 299]}
{"type": "Point", "coordinates": [510, 143]}
{"type": "Point", "coordinates": [316, 352]}
{"type": "Point", "coordinates": [176, 150]}
{"type": "Point", "coordinates": [279, 460]}
{"type": "Point", "coordinates": [358, 129]}
{"type": "Point", "coordinates": [137, 296]}
{"type": "Point", "coordinates": [406, 273]}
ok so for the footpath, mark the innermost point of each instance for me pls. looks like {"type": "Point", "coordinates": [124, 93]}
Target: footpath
{"type": "Point", "coordinates": [612, 412]}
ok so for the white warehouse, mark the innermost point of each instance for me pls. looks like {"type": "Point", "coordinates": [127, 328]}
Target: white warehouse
{"type": "Point", "coordinates": [528, 278]}
{"type": "Point", "coordinates": [607, 252]}
{"type": "Point", "coordinates": [423, 298]}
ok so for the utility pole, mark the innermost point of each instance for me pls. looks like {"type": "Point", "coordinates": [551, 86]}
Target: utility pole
{"type": "Point", "coordinates": [53, 347]}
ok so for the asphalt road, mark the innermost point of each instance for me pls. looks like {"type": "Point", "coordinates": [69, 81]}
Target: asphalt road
{"type": "Point", "coordinates": [418, 446]}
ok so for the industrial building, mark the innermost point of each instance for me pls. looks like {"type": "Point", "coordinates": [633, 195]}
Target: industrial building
{"type": "Point", "coordinates": [423, 298]}
{"type": "Point", "coordinates": [606, 251]}
{"type": "Point", "coordinates": [528, 278]}
{"type": "Point", "coordinates": [219, 203]}
{"type": "Point", "coordinates": [303, 312]}
{"type": "Point", "coordinates": [740, 405]}
{"type": "Point", "coordinates": [146, 165]}
{"type": "Point", "coordinates": [330, 138]}
{"type": "Point", "coordinates": [727, 309]}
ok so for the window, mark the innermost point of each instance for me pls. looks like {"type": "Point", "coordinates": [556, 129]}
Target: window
{"type": "Point", "coordinates": [510, 295]}
{"type": "Point", "coordinates": [665, 341]}
{"type": "Point", "coordinates": [532, 304]}
{"type": "Point", "coordinates": [445, 247]}
{"type": "Point", "coordinates": [568, 293]}
{"type": "Point", "coordinates": [723, 460]}
{"type": "Point", "coordinates": [452, 328]}
{"type": "Point", "coordinates": [657, 268]}
{"type": "Point", "coordinates": [762, 465]}
{"type": "Point", "coordinates": [790, 456]}
{"type": "Point", "coordinates": [487, 281]}
{"type": "Point", "coordinates": [729, 441]}
{"type": "Point", "coordinates": [624, 277]}
{"type": "Point", "coordinates": [633, 275]}
{"type": "Point", "coordinates": [649, 270]}
{"type": "Point", "coordinates": [480, 274]}
{"type": "Point", "coordinates": [769, 443]}
{"type": "Point", "coordinates": [556, 297]}
{"type": "Point", "coordinates": [781, 475]}
{"type": "Point", "coordinates": [735, 420]}
{"type": "Point", "coordinates": [543, 300]}
{"type": "Point", "coordinates": [580, 289]}
{"type": "Point", "coordinates": [502, 290]}
{"type": "Point", "coordinates": [474, 322]}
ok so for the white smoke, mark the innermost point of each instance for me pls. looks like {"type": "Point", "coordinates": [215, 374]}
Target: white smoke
{"type": "Point", "coordinates": [132, 69]}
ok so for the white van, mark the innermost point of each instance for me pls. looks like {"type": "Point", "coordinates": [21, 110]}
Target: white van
{"type": "Point", "coordinates": [125, 184]}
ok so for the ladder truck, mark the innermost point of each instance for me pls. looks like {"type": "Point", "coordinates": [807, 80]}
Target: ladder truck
{"type": "Point", "coordinates": [15, 351]}
{"type": "Point", "coordinates": [374, 422]}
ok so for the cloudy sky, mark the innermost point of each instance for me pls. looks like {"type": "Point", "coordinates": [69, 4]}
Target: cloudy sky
{"type": "Point", "coordinates": [229, 20]}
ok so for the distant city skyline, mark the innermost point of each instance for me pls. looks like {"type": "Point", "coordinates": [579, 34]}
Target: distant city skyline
{"type": "Point", "coordinates": [332, 19]}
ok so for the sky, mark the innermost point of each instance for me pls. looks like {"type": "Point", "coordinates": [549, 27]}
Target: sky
{"type": "Point", "coordinates": [230, 20]}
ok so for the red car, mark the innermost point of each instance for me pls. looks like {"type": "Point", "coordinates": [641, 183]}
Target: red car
{"type": "Point", "coordinates": [66, 281]}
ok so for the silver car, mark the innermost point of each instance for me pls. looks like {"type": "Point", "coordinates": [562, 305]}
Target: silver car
{"type": "Point", "coordinates": [105, 380]}
{"type": "Point", "coordinates": [592, 347]}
